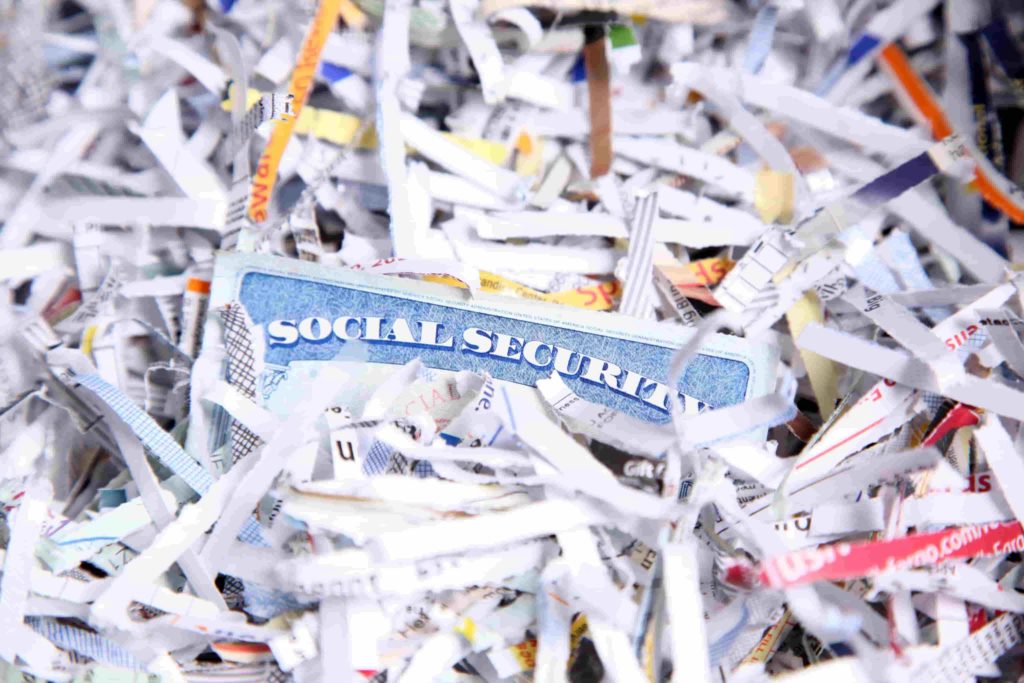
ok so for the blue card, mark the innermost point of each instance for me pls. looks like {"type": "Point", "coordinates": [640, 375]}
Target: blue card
{"type": "Point", "coordinates": [308, 312]}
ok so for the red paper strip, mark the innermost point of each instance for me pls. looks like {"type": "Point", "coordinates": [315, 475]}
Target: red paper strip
{"type": "Point", "coordinates": [854, 560]}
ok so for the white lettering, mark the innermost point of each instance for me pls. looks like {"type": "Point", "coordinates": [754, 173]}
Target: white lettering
{"type": "Point", "coordinates": [315, 329]}
{"type": "Point", "coordinates": [429, 332]}
{"type": "Point", "coordinates": [629, 384]}
{"type": "Point", "coordinates": [655, 394]}
{"type": "Point", "coordinates": [507, 346]}
{"type": "Point", "coordinates": [341, 328]}
{"type": "Point", "coordinates": [372, 329]}
{"type": "Point", "coordinates": [400, 332]}
{"type": "Point", "coordinates": [530, 351]}
{"type": "Point", "coordinates": [563, 362]}
{"type": "Point", "coordinates": [476, 340]}
{"type": "Point", "coordinates": [602, 372]}
{"type": "Point", "coordinates": [283, 333]}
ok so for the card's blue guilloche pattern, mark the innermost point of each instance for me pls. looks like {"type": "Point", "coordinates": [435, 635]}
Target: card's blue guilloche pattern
{"type": "Point", "coordinates": [308, 312]}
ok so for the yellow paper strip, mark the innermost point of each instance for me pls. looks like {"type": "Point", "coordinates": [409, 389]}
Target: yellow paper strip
{"type": "Point", "coordinates": [352, 15]}
{"type": "Point", "coordinates": [87, 339]}
{"type": "Point", "coordinates": [596, 297]}
{"type": "Point", "coordinates": [773, 196]}
{"type": "Point", "coordinates": [823, 373]}
{"type": "Point", "coordinates": [339, 128]}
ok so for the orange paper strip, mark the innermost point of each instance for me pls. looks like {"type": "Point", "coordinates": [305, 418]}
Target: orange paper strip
{"type": "Point", "coordinates": [324, 21]}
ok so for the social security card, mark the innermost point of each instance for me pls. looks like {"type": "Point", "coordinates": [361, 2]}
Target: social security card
{"type": "Point", "coordinates": [307, 312]}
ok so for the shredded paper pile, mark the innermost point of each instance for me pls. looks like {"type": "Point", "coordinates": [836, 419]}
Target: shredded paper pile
{"type": "Point", "coordinates": [495, 341]}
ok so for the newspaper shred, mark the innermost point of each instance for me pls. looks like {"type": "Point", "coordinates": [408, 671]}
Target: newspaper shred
{"type": "Point", "coordinates": [493, 341]}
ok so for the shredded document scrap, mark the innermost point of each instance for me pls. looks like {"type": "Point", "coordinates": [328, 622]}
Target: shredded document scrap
{"type": "Point", "coordinates": [493, 341]}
